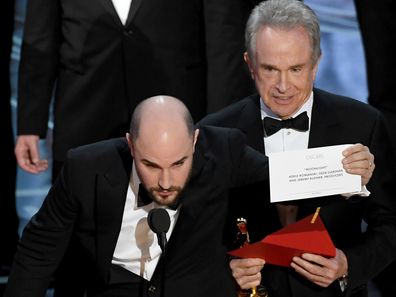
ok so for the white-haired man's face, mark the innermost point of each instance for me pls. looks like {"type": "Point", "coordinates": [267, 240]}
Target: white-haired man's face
{"type": "Point", "coordinates": [282, 69]}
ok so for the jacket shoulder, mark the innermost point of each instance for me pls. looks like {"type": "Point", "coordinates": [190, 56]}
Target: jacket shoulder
{"type": "Point", "coordinates": [100, 154]}
{"type": "Point", "coordinates": [227, 116]}
{"type": "Point", "coordinates": [344, 104]}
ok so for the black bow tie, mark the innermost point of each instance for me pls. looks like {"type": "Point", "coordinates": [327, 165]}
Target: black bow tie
{"type": "Point", "coordinates": [299, 123]}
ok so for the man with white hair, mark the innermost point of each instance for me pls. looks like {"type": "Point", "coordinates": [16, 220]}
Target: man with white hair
{"type": "Point", "coordinates": [283, 53]}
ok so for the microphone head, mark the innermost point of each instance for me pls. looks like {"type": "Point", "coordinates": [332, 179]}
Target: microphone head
{"type": "Point", "coordinates": [158, 220]}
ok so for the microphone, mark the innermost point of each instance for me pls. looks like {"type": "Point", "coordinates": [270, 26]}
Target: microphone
{"type": "Point", "coordinates": [159, 221]}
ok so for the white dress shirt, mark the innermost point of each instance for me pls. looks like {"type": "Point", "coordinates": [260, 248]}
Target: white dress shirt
{"type": "Point", "coordinates": [137, 248]}
{"type": "Point", "coordinates": [122, 8]}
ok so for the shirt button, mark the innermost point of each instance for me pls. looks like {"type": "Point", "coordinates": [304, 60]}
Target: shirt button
{"type": "Point", "coordinates": [128, 32]}
{"type": "Point", "coordinates": [151, 289]}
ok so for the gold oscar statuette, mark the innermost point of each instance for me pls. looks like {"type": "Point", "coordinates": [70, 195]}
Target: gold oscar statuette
{"type": "Point", "coordinates": [242, 239]}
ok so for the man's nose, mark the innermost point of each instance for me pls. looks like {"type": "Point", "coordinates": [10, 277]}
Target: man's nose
{"type": "Point", "coordinates": [164, 181]}
{"type": "Point", "coordinates": [283, 82]}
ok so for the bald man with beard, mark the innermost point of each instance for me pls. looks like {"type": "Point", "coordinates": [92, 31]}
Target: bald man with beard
{"type": "Point", "coordinates": [106, 190]}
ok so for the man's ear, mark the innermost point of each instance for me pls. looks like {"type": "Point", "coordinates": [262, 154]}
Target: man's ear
{"type": "Point", "coordinates": [196, 133]}
{"type": "Point", "coordinates": [130, 143]}
{"type": "Point", "coordinates": [315, 68]}
{"type": "Point", "coordinates": [249, 62]}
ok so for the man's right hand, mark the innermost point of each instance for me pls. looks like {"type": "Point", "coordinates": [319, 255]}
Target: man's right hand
{"type": "Point", "coordinates": [247, 272]}
{"type": "Point", "coordinates": [27, 154]}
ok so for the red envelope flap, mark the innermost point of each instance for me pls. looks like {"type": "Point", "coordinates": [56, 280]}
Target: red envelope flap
{"type": "Point", "coordinates": [295, 239]}
{"type": "Point", "coordinates": [305, 236]}
{"type": "Point", "coordinates": [272, 254]}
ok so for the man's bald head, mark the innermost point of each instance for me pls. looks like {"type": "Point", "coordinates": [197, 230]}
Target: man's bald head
{"type": "Point", "coordinates": [162, 142]}
{"type": "Point", "coordinates": [161, 113]}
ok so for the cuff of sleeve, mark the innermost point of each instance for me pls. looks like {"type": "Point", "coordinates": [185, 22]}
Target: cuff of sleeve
{"type": "Point", "coordinates": [343, 281]}
{"type": "Point", "coordinates": [362, 193]}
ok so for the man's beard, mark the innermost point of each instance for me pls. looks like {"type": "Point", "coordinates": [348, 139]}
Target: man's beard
{"type": "Point", "coordinates": [165, 200]}
{"type": "Point", "coordinates": [171, 200]}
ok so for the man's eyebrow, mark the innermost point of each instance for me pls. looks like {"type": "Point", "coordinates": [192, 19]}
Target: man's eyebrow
{"type": "Point", "coordinates": [148, 162]}
{"type": "Point", "coordinates": [180, 161]}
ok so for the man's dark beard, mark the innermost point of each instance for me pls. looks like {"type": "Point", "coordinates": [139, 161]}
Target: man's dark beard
{"type": "Point", "coordinates": [179, 191]}
{"type": "Point", "coordinates": [171, 189]}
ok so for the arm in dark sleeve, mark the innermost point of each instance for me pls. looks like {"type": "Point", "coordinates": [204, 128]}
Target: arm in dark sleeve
{"type": "Point", "coordinates": [43, 242]}
{"type": "Point", "coordinates": [378, 245]}
{"type": "Point", "coordinates": [38, 65]}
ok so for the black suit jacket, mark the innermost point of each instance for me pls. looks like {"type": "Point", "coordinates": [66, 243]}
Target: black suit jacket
{"type": "Point", "coordinates": [335, 120]}
{"type": "Point", "coordinates": [192, 50]}
{"type": "Point", "coordinates": [377, 24]}
{"type": "Point", "coordinates": [8, 214]}
{"type": "Point", "coordinates": [89, 198]}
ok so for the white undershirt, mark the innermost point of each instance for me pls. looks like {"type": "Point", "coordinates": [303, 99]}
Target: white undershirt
{"type": "Point", "coordinates": [137, 248]}
{"type": "Point", "coordinates": [122, 8]}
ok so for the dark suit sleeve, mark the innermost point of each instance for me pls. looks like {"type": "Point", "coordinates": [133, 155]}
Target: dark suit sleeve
{"type": "Point", "coordinates": [43, 242]}
{"type": "Point", "coordinates": [38, 65]}
{"type": "Point", "coordinates": [378, 27]}
{"type": "Point", "coordinates": [228, 78]}
{"type": "Point", "coordinates": [378, 244]}
{"type": "Point", "coordinates": [377, 24]}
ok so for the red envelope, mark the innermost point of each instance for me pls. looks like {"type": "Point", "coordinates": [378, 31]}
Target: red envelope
{"type": "Point", "coordinates": [295, 239]}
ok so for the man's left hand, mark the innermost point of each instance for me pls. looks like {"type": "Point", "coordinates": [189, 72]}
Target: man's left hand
{"type": "Point", "coordinates": [320, 270]}
{"type": "Point", "coordinates": [358, 160]}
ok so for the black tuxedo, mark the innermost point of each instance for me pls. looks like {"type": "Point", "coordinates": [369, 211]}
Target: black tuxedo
{"type": "Point", "coordinates": [188, 49]}
{"type": "Point", "coordinates": [8, 214]}
{"type": "Point", "coordinates": [89, 197]}
{"type": "Point", "coordinates": [335, 120]}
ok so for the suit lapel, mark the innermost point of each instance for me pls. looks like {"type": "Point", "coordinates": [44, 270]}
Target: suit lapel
{"type": "Point", "coordinates": [324, 123]}
{"type": "Point", "coordinates": [191, 207]}
{"type": "Point", "coordinates": [111, 188]}
{"type": "Point", "coordinates": [250, 123]}
{"type": "Point", "coordinates": [324, 131]}
{"type": "Point", "coordinates": [132, 11]}
{"type": "Point", "coordinates": [109, 7]}
{"type": "Point", "coordinates": [191, 198]}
